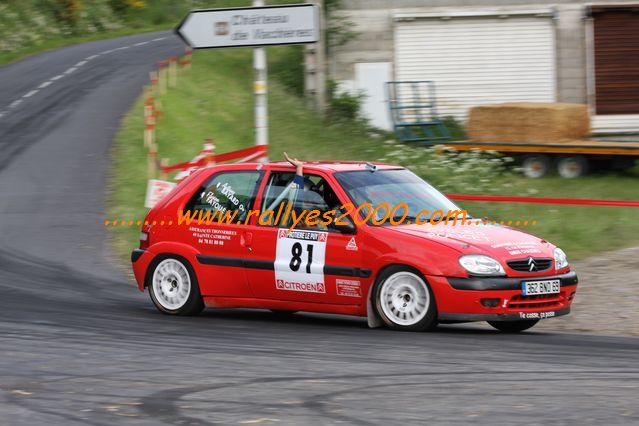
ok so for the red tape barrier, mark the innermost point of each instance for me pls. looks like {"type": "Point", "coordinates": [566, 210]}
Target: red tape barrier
{"type": "Point", "coordinates": [254, 152]}
{"type": "Point", "coordinates": [538, 200]}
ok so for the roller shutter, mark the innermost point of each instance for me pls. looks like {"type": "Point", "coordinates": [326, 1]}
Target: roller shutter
{"type": "Point", "coordinates": [476, 60]}
{"type": "Point", "coordinates": [616, 59]}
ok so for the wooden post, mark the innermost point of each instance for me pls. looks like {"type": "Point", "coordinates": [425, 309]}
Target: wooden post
{"type": "Point", "coordinates": [186, 59]}
{"type": "Point", "coordinates": [154, 81]}
{"type": "Point", "coordinates": [163, 163]}
{"type": "Point", "coordinates": [173, 71]}
{"type": "Point", "coordinates": [149, 122]}
{"type": "Point", "coordinates": [162, 77]}
{"type": "Point", "coordinates": [209, 151]}
{"type": "Point", "coordinates": [152, 161]}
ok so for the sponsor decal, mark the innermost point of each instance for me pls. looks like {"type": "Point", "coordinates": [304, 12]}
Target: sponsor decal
{"type": "Point", "coordinates": [460, 235]}
{"type": "Point", "coordinates": [349, 288]}
{"type": "Point", "coordinates": [352, 245]}
{"type": "Point", "coordinates": [536, 315]}
{"type": "Point", "coordinates": [515, 248]}
{"type": "Point", "coordinates": [299, 260]}
{"type": "Point", "coordinates": [298, 286]}
{"type": "Point", "coordinates": [212, 236]}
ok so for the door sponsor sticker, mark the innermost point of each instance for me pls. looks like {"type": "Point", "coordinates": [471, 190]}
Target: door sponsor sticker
{"type": "Point", "coordinates": [349, 288]}
{"type": "Point", "coordinates": [299, 261]}
{"type": "Point", "coordinates": [297, 286]}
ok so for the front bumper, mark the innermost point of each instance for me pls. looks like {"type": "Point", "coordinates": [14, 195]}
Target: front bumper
{"type": "Point", "coordinates": [504, 283]}
{"type": "Point", "coordinates": [460, 299]}
{"type": "Point", "coordinates": [453, 317]}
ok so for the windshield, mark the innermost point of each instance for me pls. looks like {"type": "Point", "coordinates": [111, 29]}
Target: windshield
{"type": "Point", "coordinates": [399, 191]}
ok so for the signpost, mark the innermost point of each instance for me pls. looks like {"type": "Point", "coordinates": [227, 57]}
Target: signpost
{"type": "Point", "coordinates": [256, 26]}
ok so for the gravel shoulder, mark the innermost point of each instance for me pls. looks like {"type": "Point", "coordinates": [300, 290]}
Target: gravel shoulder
{"type": "Point", "coordinates": [607, 301]}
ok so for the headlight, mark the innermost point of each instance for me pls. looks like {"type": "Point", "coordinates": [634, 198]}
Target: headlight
{"type": "Point", "coordinates": [478, 264]}
{"type": "Point", "coordinates": [561, 261]}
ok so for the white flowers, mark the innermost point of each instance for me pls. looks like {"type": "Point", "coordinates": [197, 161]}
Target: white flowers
{"type": "Point", "coordinates": [472, 171]}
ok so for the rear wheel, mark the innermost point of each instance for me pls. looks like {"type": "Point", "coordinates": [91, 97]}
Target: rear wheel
{"type": "Point", "coordinates": [572, 166]}
{"type": "Point", "coordinates": [513, 326]}
{"type": "Point", "coordinates": [173, 287]}
{"type": "Point", "coordinates": [535, 165]}
{"type": "Point", "coordinates": [404, 301]}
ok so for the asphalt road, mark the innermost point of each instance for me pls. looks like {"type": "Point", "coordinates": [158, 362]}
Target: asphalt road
{"type": "Point", "coordinates": [80, 345]}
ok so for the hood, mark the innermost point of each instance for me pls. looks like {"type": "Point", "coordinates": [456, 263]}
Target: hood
{"type": "Point", "coordinates": [500, 242]}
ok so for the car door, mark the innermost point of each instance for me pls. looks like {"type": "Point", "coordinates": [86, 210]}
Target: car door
{"type": "Point", "coordinates": [308, 263]}
{"type": "Point", "coordinates": [219, 209]}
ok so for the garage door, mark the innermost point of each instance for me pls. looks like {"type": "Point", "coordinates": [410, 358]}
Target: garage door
{"type": "Point", "coordinates": [616, 57]}
{"type": "Point", "coordinates": [477, 60]}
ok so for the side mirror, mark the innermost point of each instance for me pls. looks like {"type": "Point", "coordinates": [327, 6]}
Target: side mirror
{"type": "Point", "coordinates": [344, 228]}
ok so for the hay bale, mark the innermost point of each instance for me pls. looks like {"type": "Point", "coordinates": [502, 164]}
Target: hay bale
{"type": "Point", "coordinates": [529, 122]}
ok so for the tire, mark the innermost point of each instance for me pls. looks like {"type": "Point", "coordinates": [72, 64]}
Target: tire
{"type": "Point", "coordinates": [535, 165]}
{"type": "Point", "coordinates": [513, 326]}
{"type": "Point", "coordinates": [404, 301]}
{"type": "Point", "coordinates": [572, 166]}
{"type": "Point", "coordinates": [281, 313]}
{"type": "Point", "coordinates": [173, 286]}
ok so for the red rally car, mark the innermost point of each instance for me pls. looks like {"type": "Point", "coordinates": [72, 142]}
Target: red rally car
{"type": "Point", "coordinates": [401, 274]}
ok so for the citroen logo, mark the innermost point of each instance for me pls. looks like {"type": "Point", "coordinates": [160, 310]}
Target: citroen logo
{"type": "Point", "coordinates": [531, 264]}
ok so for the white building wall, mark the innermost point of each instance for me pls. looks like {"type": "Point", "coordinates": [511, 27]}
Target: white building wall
{"type": "Point", "coordinates": [478, 60]}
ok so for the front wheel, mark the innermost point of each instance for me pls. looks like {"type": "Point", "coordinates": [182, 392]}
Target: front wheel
{"type": "Point", "coordinates": [513, 326]}
{"type": "Point", "coordinates": [404, 301]}
{"type": "Point", "coordinates": [173, 287]}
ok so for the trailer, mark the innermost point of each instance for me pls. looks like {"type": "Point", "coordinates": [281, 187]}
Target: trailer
{"type": "Point", "coordinates": [570, 159]}
{"type": "Point", "coordinates": [413, 111]}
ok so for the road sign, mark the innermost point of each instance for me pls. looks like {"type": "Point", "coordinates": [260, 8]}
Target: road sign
{"type": "Point", "coordinates": [156, 190]}
{"type": "Point", "coordinates": [251, 26]}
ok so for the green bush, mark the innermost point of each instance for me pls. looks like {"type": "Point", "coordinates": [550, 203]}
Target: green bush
{"type": "Point", "coordinates": [287, 67]}
{"type": "Point", "coordinates": [342, 105]}
{"type": "Point", "coordinates": [455, 128]}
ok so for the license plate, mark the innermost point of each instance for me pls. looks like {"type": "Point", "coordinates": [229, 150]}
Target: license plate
{"type": "Point", "coordinates": [533, 288]}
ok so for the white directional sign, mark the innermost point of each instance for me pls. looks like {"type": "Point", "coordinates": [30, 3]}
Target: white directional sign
{"type": "Point", "coordinates": [251, 26]}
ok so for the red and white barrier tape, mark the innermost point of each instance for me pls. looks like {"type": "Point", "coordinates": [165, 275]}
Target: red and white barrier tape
{"type": "Point", "coordinates": [207, 157]}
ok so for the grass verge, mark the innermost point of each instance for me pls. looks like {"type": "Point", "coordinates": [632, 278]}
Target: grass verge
{"type": "Point", "coordinates": [214, 99]}
{"type": "Point", "coordinates": [7, 57]}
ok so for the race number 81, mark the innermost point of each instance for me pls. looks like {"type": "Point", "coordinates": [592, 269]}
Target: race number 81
{"type": "Point", "coordinates": [296, 260]}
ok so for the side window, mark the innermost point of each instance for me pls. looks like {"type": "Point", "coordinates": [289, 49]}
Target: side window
{"type": "Point", "coordinates": [316, 196]}
{"type": "Point", "coordinates": [232, 192]}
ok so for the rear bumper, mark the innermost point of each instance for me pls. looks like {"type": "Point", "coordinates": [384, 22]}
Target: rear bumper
{"type": "Point", "coordinates": [140, 260]}
{"type": "Point", "coordinates": [460, 299]}
{"type": "Point", "coordinates": [135, 255]}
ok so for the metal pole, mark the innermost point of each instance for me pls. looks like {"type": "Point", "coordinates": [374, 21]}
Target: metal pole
{"type": "Point", "coordinates": [260, 90]}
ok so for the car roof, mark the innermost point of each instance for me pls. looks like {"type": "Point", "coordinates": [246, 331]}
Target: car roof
{"type": "Point", "coordinates": [310, 166]}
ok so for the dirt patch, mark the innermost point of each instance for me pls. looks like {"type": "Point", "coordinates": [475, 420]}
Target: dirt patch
{"type": "Point", "coordinates": [607, 299]}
